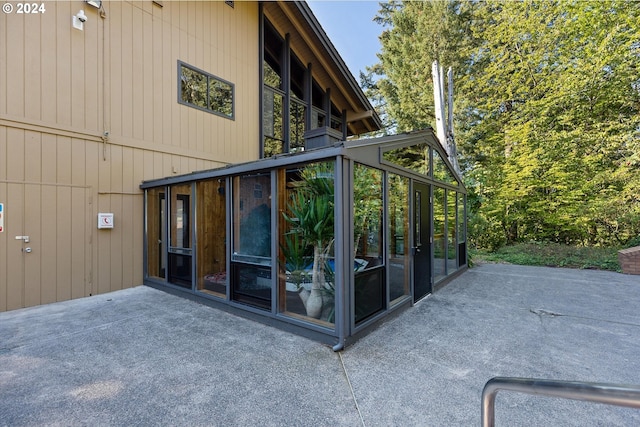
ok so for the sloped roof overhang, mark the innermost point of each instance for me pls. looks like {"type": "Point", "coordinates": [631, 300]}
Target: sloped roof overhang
{"type": "Point", "coordinates": [312, 45]}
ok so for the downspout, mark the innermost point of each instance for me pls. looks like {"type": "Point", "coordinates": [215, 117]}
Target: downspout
{"type": "Point", "coordinates": [342, 244]}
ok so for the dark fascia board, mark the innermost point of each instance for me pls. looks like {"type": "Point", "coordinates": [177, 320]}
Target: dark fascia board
{"type": "Point", "coordinates": [268, 163]}
{"type": "Point", "coordinates": [308, 15]}
{"type": "Point", "coordinates": [406, 139]}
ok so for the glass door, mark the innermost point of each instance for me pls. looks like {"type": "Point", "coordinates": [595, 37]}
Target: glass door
{"type": "Point", "coordinates": [421, 241]}
{"type": "Point", "coordinates": [180, 250]}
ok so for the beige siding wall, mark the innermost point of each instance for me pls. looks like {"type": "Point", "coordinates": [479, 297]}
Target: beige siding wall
{"type": "Point", "coordinates": [64, 88]}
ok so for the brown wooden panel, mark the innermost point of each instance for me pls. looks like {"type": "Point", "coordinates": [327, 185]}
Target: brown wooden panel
{"type": "Point", "coordinates": [150, 98]}
{"type": "Point", "coordinates": [15, 154]}
{"type": "Point", "coordinates": [114, 238]}
{"type": "Point", "coordinates": [4, 159]}
{"type": "Point", "coordinates": [79, 253]}
{"type": "Point", "coordinates": [48, 67]}
{"type": "Point", "coordinates": [15, 66]}
{"type": "Point", "coordinates": [154, 78]}
{"type": "Point", "coordinates": [77, 61]}
{"type": "Point", "coordinates": [137, 232]}
{"type": "Point", "coordinates": [153, 233]}
{"type": "Point", "coordinates": [211, 234]}
{"type": "Point", "coordinates": [48, 246]}
{"type": "Point", "coordinates": [128, 167]}
{"type": "Point", "coordinates": [127, 240]}
{"type": "Point", "coordinates": [14, 226]}
{"type": "Point", "coordinates": [32, 158]}
{"type": "Point", "coordinates": [115, 68]}
{"type": "Point", "coordinates": [32, 63]}
{"type": "Point", "coordinates": [136, 76]}
{"type": "Point", "coordinates": [78, 161]}
{"type": "Point", "coordinates": [126, 87]}
{"type": "Point", "coordinates": [63, 221]}
{"type": "Point", "coordinates": [93, 70]}
{"type": "Point", "coordinates": [35, 217]}
{"type": "Point", "coordinates": [104, 252]}
{"type": "Point", "coordinates": [49, 148]}
{"type": "Point", "coordinates": [63, 64]}
{"type": "Point", "coordinates": [63, 158]}
{"type": "Point", "coordinates": [4, 238]}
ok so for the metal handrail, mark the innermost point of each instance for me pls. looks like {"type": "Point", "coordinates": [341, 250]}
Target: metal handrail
{"type": "Point", "coordinates": [611, 394]}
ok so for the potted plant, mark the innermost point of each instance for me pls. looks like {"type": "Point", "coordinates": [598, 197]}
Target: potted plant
{"type": "Point", "coordinates": [310, 214]}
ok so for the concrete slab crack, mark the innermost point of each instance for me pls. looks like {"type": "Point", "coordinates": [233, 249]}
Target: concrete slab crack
{"type": "Point", "coordinates": [542, 312]}
{"type": "Point", "coordinates": [353, 395]}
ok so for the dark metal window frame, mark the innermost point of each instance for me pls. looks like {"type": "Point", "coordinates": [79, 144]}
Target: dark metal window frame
{"type": "Point", "coordinates": [209, 77]}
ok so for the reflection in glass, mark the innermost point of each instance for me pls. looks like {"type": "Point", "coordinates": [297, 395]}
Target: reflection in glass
{"type": "Point", "coordinates": [452, 243]}
{"type": "Point", "coordinates": [180, 235]}
{"type": "Point", "coordinates": [414, 157]}
{"type": "Point", "coordinates": [272, 104]}
{"type": "Point", "coordinates": [399, 257]}
{"type": "Point", "coordinates": [252, 285]}
{"type": "Point", "coordinates": [221, 97]}
{"type": "Point", "coordinates": [193, 87]}
{"type": "Point", "coordinates": [156, 233]}
{"type": "Point", "coordinates": [252, 218]}
{"type": "Point", "coordinates": [251, 249]}
{"type": "Point", "coordinates": [462, 230]}
{"type": "Point", "coordinates": [307, 264]}
{"type": "Point", "coordinates": [367, 234]}
{"type": "Point", "coordinates": [211, 237]}
{"type": "Point", "coordinates": [441, 171]}
{"type": "Point", "coordinates": [296, 126]}
{"type": "Point", "coordinates": [206, 91]}
{"type": "Point", "coordinates": [439, 236]}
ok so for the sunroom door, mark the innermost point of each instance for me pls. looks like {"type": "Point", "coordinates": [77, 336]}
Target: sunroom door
{"type": "Point", "coordinates": [421, 241]}
{"type": "Point", "coordinates": [180, 249]}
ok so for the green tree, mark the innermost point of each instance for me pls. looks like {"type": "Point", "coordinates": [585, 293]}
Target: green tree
{"type": "Point", "coordinates": [547, 110]}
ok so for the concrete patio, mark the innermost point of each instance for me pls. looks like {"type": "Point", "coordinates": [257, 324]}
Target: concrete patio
{"type": "Point", "coordinates": [143, 357]}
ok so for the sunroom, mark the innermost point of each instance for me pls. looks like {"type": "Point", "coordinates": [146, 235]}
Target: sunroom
{"type": "Point", "coordinates": [323, 242]}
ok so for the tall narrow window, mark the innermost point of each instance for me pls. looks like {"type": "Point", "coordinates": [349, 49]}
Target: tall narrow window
{"type": "Point", "coordinates": [307, 279]}
{"type": "Point", "coordinates": [180, 248]}
{"type": "Point", "coordinates": [251, 258]}
{"type": "Point", "coordinates": [452, 241]}
{"type": "Point", "coordinates": [156, 233]}
{"type": "Point", "coordinates": [211, 235]}
{"type": "Point", "coordinates": [439, 234]}
{"type": "Point", "coordinates": [399, 255]}
{"type": "Point", "coordinates": [462, 231]}
{"type": "Point", "coordinates": [285, 97]}
{"type": "Point", "coordinates": [370, 294]}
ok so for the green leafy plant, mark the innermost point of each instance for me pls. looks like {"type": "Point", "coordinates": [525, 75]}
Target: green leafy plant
{"type": "Point", "coordinates": [310, 214]}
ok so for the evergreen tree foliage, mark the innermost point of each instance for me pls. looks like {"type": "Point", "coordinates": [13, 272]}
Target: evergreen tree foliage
{"type": "Point", "coordinates": [547, 110]}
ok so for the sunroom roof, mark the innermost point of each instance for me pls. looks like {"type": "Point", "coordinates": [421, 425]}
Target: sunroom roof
{"type": "Point", "coordinates": [369, 150]}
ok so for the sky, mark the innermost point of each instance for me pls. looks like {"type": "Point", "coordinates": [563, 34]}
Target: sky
{"type": "Point", "coordinates": [350, 27]}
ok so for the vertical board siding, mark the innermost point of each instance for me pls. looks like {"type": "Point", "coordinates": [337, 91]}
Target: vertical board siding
{"type": "Point", "coordinates": [65, 88]}
{"type": "Point", "coordinates": [48, 239]}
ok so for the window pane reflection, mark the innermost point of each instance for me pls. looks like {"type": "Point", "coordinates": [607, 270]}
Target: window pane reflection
{"type": "Point", "coordinates": [452, 260]}
{"type": "Point", "coordinates": [399, 257]}
{"type": "Point", "coordinates": [439, 242]}
{"type": "Point", "coordinates": [368, 230]}
{"type": "Point", "coordinates": [211, 237]}
{"type": "Point", "coordinates": [307, 262]}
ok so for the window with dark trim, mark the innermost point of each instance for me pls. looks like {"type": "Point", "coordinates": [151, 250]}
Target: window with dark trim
{"type": "Point", "coordinates": [204, 91]}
